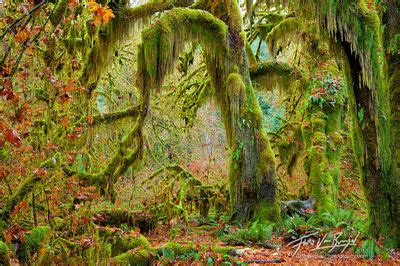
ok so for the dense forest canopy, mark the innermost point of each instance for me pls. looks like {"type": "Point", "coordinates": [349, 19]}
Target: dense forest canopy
{"type": "Point", "coordinates": [162, 132]}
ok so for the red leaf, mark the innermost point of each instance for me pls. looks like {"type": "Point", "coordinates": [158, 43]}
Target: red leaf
{"type": "Point", "coordinates": [12, 136]}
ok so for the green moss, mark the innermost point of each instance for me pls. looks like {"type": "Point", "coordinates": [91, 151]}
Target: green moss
{"type": "Point", "coordinates": [163, 42]}
{"type": "Point", "coordinates": [245, 116]}
{"type": "Point", "coordinates": [58, 12]}
{"type": "Point", "coordinates": [273, 73]}
{"type": "Point", "coordinates": [322, 162]}
{"type": "Point", "coordinates": [289, 149]}
{"type": "Point", "coordinates": [282, 33]}
{"type": "Point", "coordinates": [4, 254]}
{"type": "Point", "coordinates": [34, 240]}
{"type": "Point", "coordinates": [126, 242]}
{"type": "Point", "coordinates": [25, 188]}
{"type": "Point", "coordinates": [249, 173]}
{"type": "Point", "coordinates": [138, 257]}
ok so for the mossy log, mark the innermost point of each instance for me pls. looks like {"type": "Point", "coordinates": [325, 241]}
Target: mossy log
{"type": "Point", "coordinates": [141, 219]}
{"type": "Point", "coordinates": [147, 256]}
{"type": "Point", "coordinates": [139, 256]}
{"type": "Point", "coordinates": [299, 207]}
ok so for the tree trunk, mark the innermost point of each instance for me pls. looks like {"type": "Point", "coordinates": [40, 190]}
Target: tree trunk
{"type": "Point", "coordinates": [372, 151]}
{"type": "Point", "coordinates": [251, 165]}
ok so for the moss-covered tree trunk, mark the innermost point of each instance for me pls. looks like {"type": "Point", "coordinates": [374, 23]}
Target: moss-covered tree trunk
{"type": "Point", "coordinates": [357, 28]}
{"type": "Point", "coordinates": [251, 165]}
{"type": "Point", "coordinates": [219, 32]}
{"type": "Point", "coordinates": [322, 143]}
{"type": "Point", "coordinates": [391, 41]}
{"type": "Point", "coordinates": [371, 140]}
{"type": "Point", "coordinates": [391, 18]}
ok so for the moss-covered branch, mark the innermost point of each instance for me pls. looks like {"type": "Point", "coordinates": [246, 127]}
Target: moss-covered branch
{"type": "Point", "coordinates": [285, 31]}
{"type": "Point", "coordinates": [272, 67]}
{"type": "Point", "coordinates": [151, 8]}
{"type": "Point", "coordinates": [129, 151]}
{"type": "Point", "coordinates": [26, 187]}
{"type": "Point", "coordinates": [110, 117]}
{"type": "Point", "coordinates": [163, 42]}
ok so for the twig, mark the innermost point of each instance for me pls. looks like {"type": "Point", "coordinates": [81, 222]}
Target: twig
{"type": "Point", "coordinates": [33, 40]}
{"type": "Point", "coordinates": [34, 208]}
{"type": "Point", "coordinates": [20, 18]}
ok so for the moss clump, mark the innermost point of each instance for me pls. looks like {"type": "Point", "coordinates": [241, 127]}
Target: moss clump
{"type": "Point", "coordinates": [139, 256]}
{"type": "Point", "coordinates": [34, 240]}
{"type": "Point", "coordinates": [126, 242]}
{"type": "Point", "coordinates": [4, 254]}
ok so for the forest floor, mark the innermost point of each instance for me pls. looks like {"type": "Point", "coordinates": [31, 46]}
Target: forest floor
{"type": "Point", "coordinates": [205, 238]}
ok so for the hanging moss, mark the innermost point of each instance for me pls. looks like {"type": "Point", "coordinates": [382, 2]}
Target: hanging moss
{"type": "Point", "coordinates": [103, 40]}
{"type": "Point", "coordinates": [356, 28]}
{"type": "Point", "coordinates": [164, 41]}
{"type": "Point", "coordinates": [271, 74]}
{"type": "Point", "coordinates": [283, 33]}
{"type": "Point", "coordinates": [251, 167]}
{"type": "Point", "coordinates": [150, 8]}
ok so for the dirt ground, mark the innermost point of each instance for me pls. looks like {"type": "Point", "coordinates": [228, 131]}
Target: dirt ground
{"type": "Point", "coordinates": [204, 239]}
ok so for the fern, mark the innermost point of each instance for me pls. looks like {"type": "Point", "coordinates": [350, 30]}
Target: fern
{"type": "Point", "coordinates": [369, 249]}
{"type": "Point", "coordinates": [257, 234]}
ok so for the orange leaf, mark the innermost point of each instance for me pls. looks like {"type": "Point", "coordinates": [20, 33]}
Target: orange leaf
{"type": "Point", "coordinates": [20, 206]}
{"type": "Point", "coordinates": [72, 3]}
{"type": "Point", "coordinates": [93, 6]}
{"type": "Point", "coordinates": [40, 172]}
{"type": "Point", "coordinates": [7, 236]}
{"type": "Point", "coordinates": [64, 122]}
{"type": "Point", "coordinates": [90, 119]}
{"type": "Point", "coordinates": [7, 68]}
{"type": "Point", "coordinates": [71, 86]}
{"type": "Point", "coordinates": [107, 15]}
{"type": "Point", "coordinates": [22, 36]}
